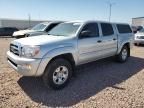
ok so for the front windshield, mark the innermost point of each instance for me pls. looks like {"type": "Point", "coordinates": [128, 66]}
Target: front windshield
{"type": "Point", "coordinates": [142, 30]}
{"type": "Point", "coordinates": [39, 27]}
{"type": "Point", "coordinates": [65, 29]}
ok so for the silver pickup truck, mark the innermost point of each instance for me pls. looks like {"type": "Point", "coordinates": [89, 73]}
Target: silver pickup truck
{"type": "Point", "coordinates": [55, 55]}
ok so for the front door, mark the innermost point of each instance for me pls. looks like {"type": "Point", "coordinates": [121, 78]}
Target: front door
{"type": "Point", "coordinates": [89, 43]}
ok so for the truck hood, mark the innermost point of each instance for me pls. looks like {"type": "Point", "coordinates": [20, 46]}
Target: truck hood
{"type": "Point", "coordinates": [37, 33]}
{"type": "Point", "coordinates": [21, 32]}
{"type": "Point", "coordinates": [139, 34]}
{"type": "Point", "coordinates": [41, 40]}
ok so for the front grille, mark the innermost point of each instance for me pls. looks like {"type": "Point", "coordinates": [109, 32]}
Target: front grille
{"type": "Point", "coordinates": [14, 49]}
{"type": "Point", "coordinates": [141, 37]}
{"type": "Point", "coordinates": [12, 62]}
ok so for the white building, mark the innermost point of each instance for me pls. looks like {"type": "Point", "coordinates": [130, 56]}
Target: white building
{"type": "Point", "coordinates": [19, 23]}
{"type": "Point", "coordinates": [139, 21]}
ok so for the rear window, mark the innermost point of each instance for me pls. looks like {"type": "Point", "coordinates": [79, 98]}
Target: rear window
{"type": "Point", "coordinates": [107, 29]}
{"type": "Point", "coordinates": [124, 28]}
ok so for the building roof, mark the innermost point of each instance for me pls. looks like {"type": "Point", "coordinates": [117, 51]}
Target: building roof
{"type": "Point", "coordinates": [16, 19]}
{"type": "Point", "coordinates": [138, 18]}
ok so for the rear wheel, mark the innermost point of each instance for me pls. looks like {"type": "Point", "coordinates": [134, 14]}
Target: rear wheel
{"type": "Point", "coordinates": [135, 44]}
{"type": "Point", "coordinates": [57, 74]}
{"type": "Point", "coordinates": [123, 55]}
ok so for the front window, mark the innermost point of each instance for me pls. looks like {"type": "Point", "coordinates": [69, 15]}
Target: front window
{"type": "Point", "coordinates": [65, 29]}
{"type": "Point", "coordinates": [39, 27]}
{"type": "Point", "coordinates": [142, 30]}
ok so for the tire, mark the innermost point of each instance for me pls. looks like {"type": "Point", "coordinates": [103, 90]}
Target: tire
{"type": "Point", "coordinates": [136, 44]}
{"type": "Point", "coordinates": [57, 74]}
{"type": "Point", "coordinates": [123, 55]}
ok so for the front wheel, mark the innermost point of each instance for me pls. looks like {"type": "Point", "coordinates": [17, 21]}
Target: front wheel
{"type": "Point", "coordinates": [123, 55]}
{"type": "Point", "coordinates": [136, 44]}
{"type": "Point", "coordinates": [57, 74]}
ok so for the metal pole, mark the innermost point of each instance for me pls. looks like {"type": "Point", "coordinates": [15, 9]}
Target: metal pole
{"type": "Point", "coordinates": [110, 12]}
{"type": "Point", "coordinates": [29, 18]}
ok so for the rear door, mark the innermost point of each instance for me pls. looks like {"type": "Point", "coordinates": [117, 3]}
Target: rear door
{"type": "Point", "coordinates": [89, 46]}
{"type": "Point", "coordinates": [109, 39]}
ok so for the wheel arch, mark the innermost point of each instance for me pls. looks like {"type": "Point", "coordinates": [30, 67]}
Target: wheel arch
{"type": "Point", "coordinates": [67, 56]}
{"type": "Point", "coordinates": [125, 44]}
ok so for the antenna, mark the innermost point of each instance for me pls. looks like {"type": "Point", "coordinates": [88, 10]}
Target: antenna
{"type": "Point", "coordinates": [39, 16]}
{"type": "Point", "coordinates": [29, 19]}
{"type": "Point", "coordinates": [110, 9]}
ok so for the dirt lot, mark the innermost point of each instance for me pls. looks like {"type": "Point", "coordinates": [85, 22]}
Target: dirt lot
{"type": "Point", "coordinates": [101, 84]}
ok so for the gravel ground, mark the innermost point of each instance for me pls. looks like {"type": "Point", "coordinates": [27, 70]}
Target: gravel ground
{"type": "Point", "coordinates": [101, 84]}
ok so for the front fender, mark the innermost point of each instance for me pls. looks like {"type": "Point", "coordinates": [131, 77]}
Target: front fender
{"type": "Point", "coordinates": [53, 53]}
{"type": "Point", "coordinates": [62, 50]}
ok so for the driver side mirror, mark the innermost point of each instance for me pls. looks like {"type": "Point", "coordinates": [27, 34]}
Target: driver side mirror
{"type": "Point", "coordinates": [85, 34]}
{"type": "Point", "coordinates": [134, 32]}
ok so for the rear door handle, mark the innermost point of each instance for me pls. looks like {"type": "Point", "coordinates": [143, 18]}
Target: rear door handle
{"type": "Point", "coordinates": [99, 41]}
{"type": "Point", "coordinates": [114, 39]}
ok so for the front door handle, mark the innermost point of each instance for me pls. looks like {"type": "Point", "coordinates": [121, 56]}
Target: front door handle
{"type": "Point", "coordinates": [99, 41]}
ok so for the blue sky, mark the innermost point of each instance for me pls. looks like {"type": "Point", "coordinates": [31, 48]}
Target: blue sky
{"type": "Point", "coordinates": [122, 10]}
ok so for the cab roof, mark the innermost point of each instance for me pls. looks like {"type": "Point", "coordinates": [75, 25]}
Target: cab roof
{"type": "Point", "coordinates": [89, 21]}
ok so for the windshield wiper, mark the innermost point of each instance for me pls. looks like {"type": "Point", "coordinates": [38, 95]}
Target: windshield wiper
{"type": "Point", "coordinates": [55, 34]}
{"type": "Point", "coordinates": [58, 35]}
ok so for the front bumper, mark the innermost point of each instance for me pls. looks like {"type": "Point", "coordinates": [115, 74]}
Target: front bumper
{"type": "Point", "coordinates": [139, 41]}
{"type": "Point", "coordinates": [24, 66]}
{"type": "Point", "coordinates": [18, 36]}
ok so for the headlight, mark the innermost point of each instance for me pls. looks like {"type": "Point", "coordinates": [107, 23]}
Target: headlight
{"type": "Point", "coordinates": [138, 37]}
{"type": "Point", "coordinates": [30, 51]}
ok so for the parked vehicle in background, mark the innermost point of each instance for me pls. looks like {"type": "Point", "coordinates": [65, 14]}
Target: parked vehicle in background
{"type": "Point", "coordinates": [54, 56]}
{"type": "Point", "coordinates": [134, 29]}
{"type": "Point", "coordinates": [7, 31]}
{"type": "Point", "coordinates": [139, 28]}
{"type": "Point", "coordinates": [139, 37]}
{"type": "Point", "coordinates": [39, 29]}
